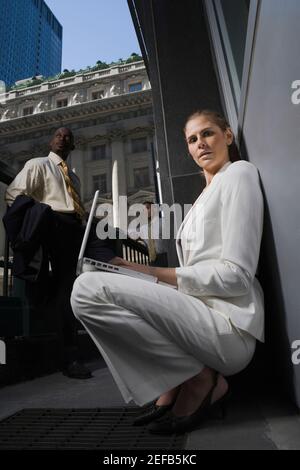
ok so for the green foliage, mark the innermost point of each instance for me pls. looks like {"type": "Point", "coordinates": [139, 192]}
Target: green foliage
{"type": "Point", "coordinates": [134, 58]}
{"type": "Point", "coordinates": [100, 66]}
{"type": "Point", "coordinates": [66, 73]}
{"type": "Point", "coordinates": [33, 82]}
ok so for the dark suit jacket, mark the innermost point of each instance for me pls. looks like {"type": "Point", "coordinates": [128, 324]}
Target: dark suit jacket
{"type": "Point", "coordinates": [28, 225]}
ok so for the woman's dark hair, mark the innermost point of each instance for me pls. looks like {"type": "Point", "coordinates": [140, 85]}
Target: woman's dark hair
{"type": "Point", "coordinates": [221, 122]}
{"type": "Point", "coordinates": [148, 202]}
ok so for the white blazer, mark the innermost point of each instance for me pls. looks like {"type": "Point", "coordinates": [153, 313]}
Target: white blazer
{"type": "Point", "coordinates": [218, 247]}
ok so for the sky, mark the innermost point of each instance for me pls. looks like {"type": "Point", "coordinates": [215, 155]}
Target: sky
{"type": "Point", "coordinates": [94, 30]}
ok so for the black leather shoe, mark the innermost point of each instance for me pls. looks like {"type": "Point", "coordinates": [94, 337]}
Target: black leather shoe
{"type": "Point", "coordinates": [77, 370]}
{"type": "Point", "coordinates": [151, 413]}
{"type": "Point", "coordinates": [171, 424]}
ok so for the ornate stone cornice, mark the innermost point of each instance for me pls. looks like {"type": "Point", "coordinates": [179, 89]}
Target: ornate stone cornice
{"type": "Point", "coordinates": [149, 130]}
{"type": "Point", "coordinates": [116, 134]}
{"type": "Point", "coordinates": [69, 114]}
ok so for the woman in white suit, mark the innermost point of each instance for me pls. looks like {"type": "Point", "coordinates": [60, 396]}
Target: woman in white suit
{"type": "Point", "coordinates": [176, 346]}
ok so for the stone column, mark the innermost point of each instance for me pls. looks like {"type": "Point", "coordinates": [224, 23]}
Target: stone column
{"type": "Point", "coordinates": [119, 185]}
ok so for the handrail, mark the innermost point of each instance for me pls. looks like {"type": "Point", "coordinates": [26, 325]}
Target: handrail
{"type": "Point", "coordinates": [134, 251]}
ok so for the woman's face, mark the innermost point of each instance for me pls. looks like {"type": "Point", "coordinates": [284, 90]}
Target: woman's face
{"type": "Point", "coordinates": [208, 143]}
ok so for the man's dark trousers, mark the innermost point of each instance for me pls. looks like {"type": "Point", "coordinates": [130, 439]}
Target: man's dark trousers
{"type": "Point", "coordinates": [65, 244]}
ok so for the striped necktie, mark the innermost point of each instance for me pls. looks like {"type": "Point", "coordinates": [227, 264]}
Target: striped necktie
{"type": "Point", "coordinates": [79, 209]}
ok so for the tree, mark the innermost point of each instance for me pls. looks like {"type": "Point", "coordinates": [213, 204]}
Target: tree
{"type": "Point", "coordinates": [134, 58]}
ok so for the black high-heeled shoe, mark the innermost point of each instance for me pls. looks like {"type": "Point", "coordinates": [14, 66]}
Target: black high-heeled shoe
{"type": "Point", "coordinates": [218, 409]}
{"type": "Point", "coordinates": [152, 412]}
{"type": "Point", "coordinates": [169, 423]}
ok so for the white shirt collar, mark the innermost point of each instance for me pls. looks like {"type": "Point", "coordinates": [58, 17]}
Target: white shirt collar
{"type": "Point", "coordinates": [55, 158]}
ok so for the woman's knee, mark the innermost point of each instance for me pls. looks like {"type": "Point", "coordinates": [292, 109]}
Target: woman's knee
{"type": "Point", "coordinates": [87, 292]}
{"type": "Point", "coordinates": [78, 299]}
{"type": "Point", "coordinates": [240, 355]}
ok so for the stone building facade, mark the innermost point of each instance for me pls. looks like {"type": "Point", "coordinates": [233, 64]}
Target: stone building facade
{"type": "Point", "coordinates": [110, 114]}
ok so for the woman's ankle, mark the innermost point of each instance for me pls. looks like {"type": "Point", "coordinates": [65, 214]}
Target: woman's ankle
{"type": "Point", "coordinates": [168, 397]}
{"type": "Point", "coordinates": [220, 389]}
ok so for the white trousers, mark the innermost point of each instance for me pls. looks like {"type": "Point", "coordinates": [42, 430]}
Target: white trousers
{"type": "Point", "coordinates": [153, 337]}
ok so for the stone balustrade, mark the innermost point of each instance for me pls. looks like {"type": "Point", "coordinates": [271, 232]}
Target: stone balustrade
{"type": "Point", "coordinates": [76, 79]}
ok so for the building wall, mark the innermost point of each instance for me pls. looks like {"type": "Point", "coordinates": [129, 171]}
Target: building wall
{"type": "Point", "coordinates": [30, 40]}
{"type": "Point", "coordinates": [271, 134]}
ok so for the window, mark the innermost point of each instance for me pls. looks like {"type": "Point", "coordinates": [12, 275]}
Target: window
{"type": "Point", "coordinates": [27, 111]}
{"type": "Point", "coordinates": [236, 31]}
{"type": "Point", "coordinates": [139, 145]}
{"type": "Point", "coordinates": [135, 87]}
{"type": "Point", "coordinates": [228, 21]}
{"type": "Point", "coordinates": [141, 177]}
{"type": "Point", "coordinates": [99, 152]}
{"type": "Point", "coordinates": [97, 95]}
{"type": "Point", "coordinates": [100, 182]}
{"type": "Point", "coordinates": [62, 103]}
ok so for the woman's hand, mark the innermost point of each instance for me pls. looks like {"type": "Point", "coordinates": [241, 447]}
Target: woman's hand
{"type": "Point", "coordinates": [117, 261]}
{"type": "Point", "coordinates": [141, 268]}
{"type": "Point", "coordinates": [167, 275]}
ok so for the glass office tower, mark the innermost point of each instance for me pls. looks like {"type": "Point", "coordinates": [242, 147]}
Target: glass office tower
{"type": "Point", "coordinates": [30, 40]}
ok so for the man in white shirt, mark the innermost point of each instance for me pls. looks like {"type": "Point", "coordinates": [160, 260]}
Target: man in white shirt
{"type": "Point", "coordinates": [49, 180]}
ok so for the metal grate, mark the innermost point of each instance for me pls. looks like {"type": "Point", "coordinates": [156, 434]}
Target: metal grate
{"type": "Point", "coordinates": [87, 429]}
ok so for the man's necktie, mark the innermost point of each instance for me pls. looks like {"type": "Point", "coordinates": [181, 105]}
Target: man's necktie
{"type": "Point", "coordinates": [151, 244]}
{"type": "Point", "coordinates": [72, 191]}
